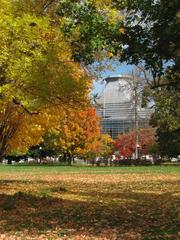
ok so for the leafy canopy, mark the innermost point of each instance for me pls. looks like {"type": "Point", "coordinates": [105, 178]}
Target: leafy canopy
{"type": "Point", "coordinates": [37, 75]}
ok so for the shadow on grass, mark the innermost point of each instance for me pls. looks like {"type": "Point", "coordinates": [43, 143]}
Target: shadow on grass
{"type": "Point", "coordinates": [148, 212]}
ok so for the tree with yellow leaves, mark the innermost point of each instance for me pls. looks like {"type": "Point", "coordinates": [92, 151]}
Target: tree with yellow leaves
{"type": "Point", "coordinates": [76, 133]}
{"type": "Point", "coordinates": [37, 76]}
{"type": "Point", "coordinates": [102, 147]}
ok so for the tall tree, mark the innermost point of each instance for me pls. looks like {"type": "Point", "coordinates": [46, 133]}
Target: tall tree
{"type": "Point", "coordinates": [166, 118]}
{"type": "Point", "coordinates": [36, 74]}
{"type": "Point", "coordinates": [144, 32]}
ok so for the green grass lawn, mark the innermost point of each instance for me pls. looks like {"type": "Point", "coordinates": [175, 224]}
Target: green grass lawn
{"type": "Point", "coordinates": [84, 202]}
{"type": "Point", "coordinates": [58, 169]}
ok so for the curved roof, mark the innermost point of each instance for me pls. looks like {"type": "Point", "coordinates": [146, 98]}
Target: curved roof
{"type": "Point", "coordinates": [116, 101]}
{"type": "Point", "coordinates": [117, 77]}
{"type": "Point", "coordinates": [116, 90]}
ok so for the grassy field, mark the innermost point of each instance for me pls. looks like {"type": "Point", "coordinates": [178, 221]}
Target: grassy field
{"type": "Point", "coordinates": [59, 202]}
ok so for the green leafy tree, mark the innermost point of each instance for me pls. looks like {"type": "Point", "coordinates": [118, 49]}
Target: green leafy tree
{"type": "Point", "coordinates": [166, 118]}
{"type": "Point", "coordinates": [145, 32]}
{"type": "Point", "coordinates": [169, 142]}
{"type": "Point", "coordinates": [91, 25]}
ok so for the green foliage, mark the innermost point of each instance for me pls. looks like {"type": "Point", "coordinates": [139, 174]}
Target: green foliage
{"type": "Point", "coordinates": [147, 31]}
{"type": "Point", "coordinates": [154, 149]}
{"type": "Point", "coordinates": [90, 27]}
{"type": "Point", "coordinates": [167, 115]}
{"type": "Point", "coordinates": [151, 33]}
{"type": "Point", "coordinates": [167, 111]}
{"type": "Point", "coordinates": [49, 143]}
{"type": "Point", "coordinates": [169, 142]}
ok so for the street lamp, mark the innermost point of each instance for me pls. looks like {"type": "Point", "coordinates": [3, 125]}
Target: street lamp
{"type": "Point", "coordinates": [40, 152]}
{"type": "Point", "coordinates": [137, 151]}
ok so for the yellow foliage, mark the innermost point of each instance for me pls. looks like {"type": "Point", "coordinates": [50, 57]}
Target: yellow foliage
{"type": "Point", "coordinates": [106, 7]}
{"type": "Point", "coordinates": [122, 30]}
{"type": "Point", "coordinates": [77, 130]}
{"type": "Point", "coordinates": [38, 79]}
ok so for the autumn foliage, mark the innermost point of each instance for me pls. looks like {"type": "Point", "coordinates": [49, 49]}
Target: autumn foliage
{"type": "Point", "coordinates": [77, 131]}
{"type": "Point", "coordinates": [38, 78]}
{"type": "Point", "coordinates": [89, 203]}
{"type": "Point", "coordinates": [125, 143]}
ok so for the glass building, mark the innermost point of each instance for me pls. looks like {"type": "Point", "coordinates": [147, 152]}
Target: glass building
{"type": "Point", "coordinates": [119, 105]}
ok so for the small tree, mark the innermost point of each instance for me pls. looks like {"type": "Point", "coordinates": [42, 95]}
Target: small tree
{"type": "Point", "coordinates": [101, 147]}
{"type": "Point", "coordinates": [126, 143]}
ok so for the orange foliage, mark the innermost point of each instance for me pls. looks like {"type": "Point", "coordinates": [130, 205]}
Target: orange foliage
{"type": "Point", "coordinates": [78, 130]}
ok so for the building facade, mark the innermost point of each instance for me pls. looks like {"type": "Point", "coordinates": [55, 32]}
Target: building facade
{"type": "Point", "coordinates": [119, 105]}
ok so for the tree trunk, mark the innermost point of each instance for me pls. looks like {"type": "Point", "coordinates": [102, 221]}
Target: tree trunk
{"type": "Point", "coordinates": [69, 160]}
{"type": "Point", "coordinates": [9, 161]}
{"type": "Point", "coordinates": [2, 151]}
{"type": "Point", "coordinates": [1, 156]}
